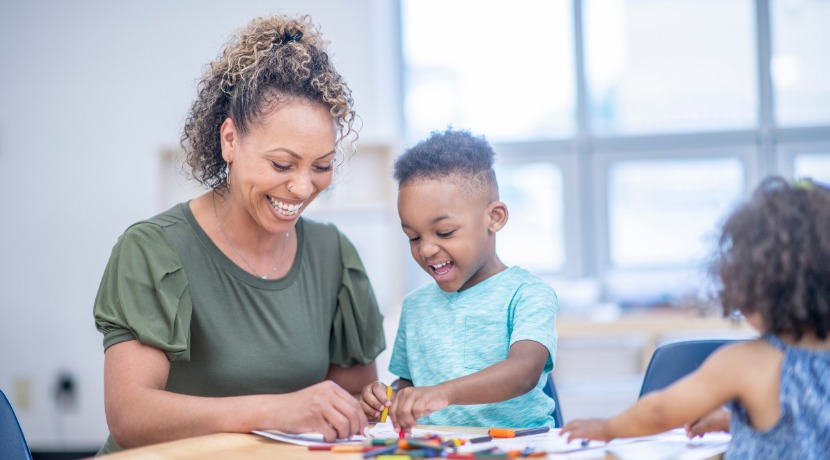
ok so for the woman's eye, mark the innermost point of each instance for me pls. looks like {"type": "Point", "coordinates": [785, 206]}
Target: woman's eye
{"type": "Point", "coordinates": [323, 168]}
{"type": "Point", "coordinates": [280, 167]}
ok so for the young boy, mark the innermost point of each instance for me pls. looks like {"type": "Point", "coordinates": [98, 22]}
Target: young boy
{"type": "Point", "coordinates": [475, 347]}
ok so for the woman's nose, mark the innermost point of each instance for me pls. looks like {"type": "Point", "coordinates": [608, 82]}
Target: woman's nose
{"type": "Point", "coordinates": [301, 184]}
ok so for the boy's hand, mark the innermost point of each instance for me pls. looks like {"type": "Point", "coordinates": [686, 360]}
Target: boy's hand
{"type": "Point", "coordinates": [413, 403]}
{"type": "Point", "coordinates": [373, 400]}
{"type": "Point", "coordinates": [594, 428]}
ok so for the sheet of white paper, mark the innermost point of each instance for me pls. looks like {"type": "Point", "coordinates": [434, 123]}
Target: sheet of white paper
{"type": "Point", "coordinates": [668, 450]}
{"type": "Point", "coordinates": [545, 442]}
{"type": "Point", "coordinates": [307, 439]}
{"type": "Point", "coordinates": [674, 445]}
{"type": "Point", "coordinates": [380, 431]}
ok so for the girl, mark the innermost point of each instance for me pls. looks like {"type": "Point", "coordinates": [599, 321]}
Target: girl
{"type": "Point", "coordinates": [773, 263]}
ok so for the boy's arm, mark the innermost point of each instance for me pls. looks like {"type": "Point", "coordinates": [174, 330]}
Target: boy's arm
{"type": "Point", "coordinates": [514, 376]}
{"type": "Point", "coordinates": [507, 379]}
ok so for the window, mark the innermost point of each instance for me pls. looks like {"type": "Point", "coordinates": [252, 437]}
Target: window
{"type": "Point", "coordinates": [800, 64]}
{"type": "Point", "coordinates": [815, 166]}
{"type": "Point", "coordinates": [627, 129]}
{"type": "Point", "coordinates": [505, 72]}
{"type": "Point", "coordinates": [662, 213]}
{"type": "Point", "coordinates": [534, 235]}
{"type": "Point", "coordinates": [658, 66]}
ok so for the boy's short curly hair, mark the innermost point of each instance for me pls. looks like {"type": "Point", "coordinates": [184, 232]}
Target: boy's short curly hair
{"type": "Point", "coordinates": [271, 61]}
{"type": "Point", "coordinates": [773, 258]}
{"type": "Point", "coordinates": [450, 154]}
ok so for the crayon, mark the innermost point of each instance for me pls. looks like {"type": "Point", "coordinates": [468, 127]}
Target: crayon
{"type": "Point", "coordinates": [319, 447]}
{"type": "Point", "coordinates": [347, 448]}
{"type": "Point", "coordinates": [386, 408]}
{"type": "Point", "coordinates": [481, 439]}
{"type": "Point", "coordinates": [390, 449]}
{"type": "Point", "coordinates": [507, 433]}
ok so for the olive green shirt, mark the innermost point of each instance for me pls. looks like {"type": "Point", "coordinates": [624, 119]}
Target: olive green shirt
{"type": "Point", "coordinates": [227, 332]}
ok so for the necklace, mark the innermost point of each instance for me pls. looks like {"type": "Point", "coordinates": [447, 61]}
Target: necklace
{"type": "Point", "coordinates": [230, 243]}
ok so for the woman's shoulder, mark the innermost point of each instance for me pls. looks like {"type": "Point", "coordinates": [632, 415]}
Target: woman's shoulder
{"type": "Point", "coordinates": [318, 229]}
{"type": "Point", "coordinates": [325, 238]}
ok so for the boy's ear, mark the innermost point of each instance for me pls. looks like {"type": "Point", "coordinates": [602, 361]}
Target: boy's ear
{"type": "Point", "coordinates": [497, 214]}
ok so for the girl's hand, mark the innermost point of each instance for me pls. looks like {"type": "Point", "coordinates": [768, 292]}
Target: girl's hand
{"type": "Point", "coordinates": [413, 403]}
{"type": "Point", "coordinates": [594, 428]}
{"type": "Point", "coordinates": [373, 400]}
{"type": "Point", "coordinates": [717, 420]}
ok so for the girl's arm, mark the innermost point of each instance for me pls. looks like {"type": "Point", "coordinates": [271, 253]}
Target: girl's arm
{"type": "Point", "coordinates": [507, 379]}
{"type": "Point", "coordinates": [140, 411]}
{"type": "Point", "coordinates": [729, 373]}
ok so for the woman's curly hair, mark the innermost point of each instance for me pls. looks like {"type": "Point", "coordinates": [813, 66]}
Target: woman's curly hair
{"type": "Point", "coordinates": [268, 62]}
{"type": "Point", "coordinates": [773, 258]}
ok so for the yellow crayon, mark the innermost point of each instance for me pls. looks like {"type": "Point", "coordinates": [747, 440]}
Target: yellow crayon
{"type": "Point", "coordinates": [386, 408]}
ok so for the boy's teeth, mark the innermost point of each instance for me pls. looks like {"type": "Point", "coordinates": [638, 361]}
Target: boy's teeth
{"type": "Point", "coordinates": [440, 265]}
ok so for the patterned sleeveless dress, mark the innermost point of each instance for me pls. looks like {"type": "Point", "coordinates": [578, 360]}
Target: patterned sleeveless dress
{"type": "Point", "coordinates": [803, 429]}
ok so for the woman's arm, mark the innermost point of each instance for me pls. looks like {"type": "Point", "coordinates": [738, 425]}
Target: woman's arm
{"type": "Point", "coordinates": [140, 411]}
{"type": "Point", "coordinates": [507, 379]}
{"type": "Point", "coordinates": [353, 379]}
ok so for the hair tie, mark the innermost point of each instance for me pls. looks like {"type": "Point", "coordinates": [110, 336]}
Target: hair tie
{"type": "Point", "coordinates": [804, 183]}
{"type": "Point", "coordinates": [292, 37]}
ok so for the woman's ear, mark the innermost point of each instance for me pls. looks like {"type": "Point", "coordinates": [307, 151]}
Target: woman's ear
{"type": "Point", "coordinates": [497, 213]}
{"type": "Point", "coordinates": [228, 139]}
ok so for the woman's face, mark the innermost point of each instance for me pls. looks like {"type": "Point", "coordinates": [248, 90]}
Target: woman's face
{"type": "Point", "coordinates": [281, 164]}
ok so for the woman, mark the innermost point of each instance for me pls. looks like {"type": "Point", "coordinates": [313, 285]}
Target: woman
{"type": "Point", "coordinates": [231, 313]}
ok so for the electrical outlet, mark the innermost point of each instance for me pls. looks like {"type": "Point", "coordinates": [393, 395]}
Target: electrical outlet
{"type": "Point", "coordinates": [22, 394]}
{"type": "Point", "coordinates": [66, 392]}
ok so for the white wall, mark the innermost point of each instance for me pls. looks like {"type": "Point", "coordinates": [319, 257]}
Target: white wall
{"type": "Point", "coordinates": [90, 93]}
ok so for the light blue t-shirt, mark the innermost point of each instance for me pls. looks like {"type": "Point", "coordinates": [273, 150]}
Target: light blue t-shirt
{"type": "Point", "coordinates": [447, 335]}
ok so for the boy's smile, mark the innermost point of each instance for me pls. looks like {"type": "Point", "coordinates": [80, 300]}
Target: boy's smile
{"type": "Point", "coordinates": [451, 230]}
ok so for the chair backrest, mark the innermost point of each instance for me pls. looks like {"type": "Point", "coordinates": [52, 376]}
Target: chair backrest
{"type": "Point", "coordinates": [674, 360]}
{"type": "Point", "coordinates": [550, 390]}
{"type": "Point", "coordinates": [12, 443]}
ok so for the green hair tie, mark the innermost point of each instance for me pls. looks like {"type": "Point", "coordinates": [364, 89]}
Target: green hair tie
{"type": "Point", "coordinates": [804, 183]}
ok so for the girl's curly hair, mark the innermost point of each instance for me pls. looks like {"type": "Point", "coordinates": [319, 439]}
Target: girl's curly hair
{"type": "Point", "coordinates": [773, 258]}
{"type": "Point", "coordinates": [268, 62]}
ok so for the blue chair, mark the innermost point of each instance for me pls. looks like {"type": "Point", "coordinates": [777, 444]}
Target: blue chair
{"type": "Point", "coordinates": [550, 390]}
{"type": "Point", "coordinates": [12, 443]}
{"type": "Point", "coordinates": [674, 360]}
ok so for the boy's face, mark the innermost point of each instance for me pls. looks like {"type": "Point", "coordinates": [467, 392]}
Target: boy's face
{"type": "Point", "coordinates": [451, 233]}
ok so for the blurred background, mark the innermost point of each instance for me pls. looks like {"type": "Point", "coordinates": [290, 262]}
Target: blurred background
{"type": "Point", "coordinates": [625, 130]}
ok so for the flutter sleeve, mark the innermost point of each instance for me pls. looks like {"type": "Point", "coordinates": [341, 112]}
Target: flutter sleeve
{"type": "Point", "coordinates": [143, 294]}
{"type": "Point", "coordinates": [357, 330]}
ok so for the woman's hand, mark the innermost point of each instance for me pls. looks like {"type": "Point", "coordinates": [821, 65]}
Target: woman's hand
{"type": "Point", "coordinates": [323, 408]}
{"type": "Point", "coordinates": [373, 400]}
{"type": "Point", "coordinates": [412, 403]}
{"type": "Point", "coordinates": [717, 420]}
{"type": "Point", "coordinates": [594, 428]}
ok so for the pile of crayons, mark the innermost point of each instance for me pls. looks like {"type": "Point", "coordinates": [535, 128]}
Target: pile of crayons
{"type": "Point", "coordinates": [432, 446]}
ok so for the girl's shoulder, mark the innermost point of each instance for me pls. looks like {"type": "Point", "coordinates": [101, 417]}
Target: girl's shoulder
{"type": "Point", "coordinates": [747, 349]}
{"type": "Point", "coordinates": [745, 359]}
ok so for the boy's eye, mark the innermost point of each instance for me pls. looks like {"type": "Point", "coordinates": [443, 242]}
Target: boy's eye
{"type": "Point", "coordinates": [445, 234]}
{"type": "Point", "coordinates": [280, 166]}
{"type": "Point", "coordinates": [414, 239]}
